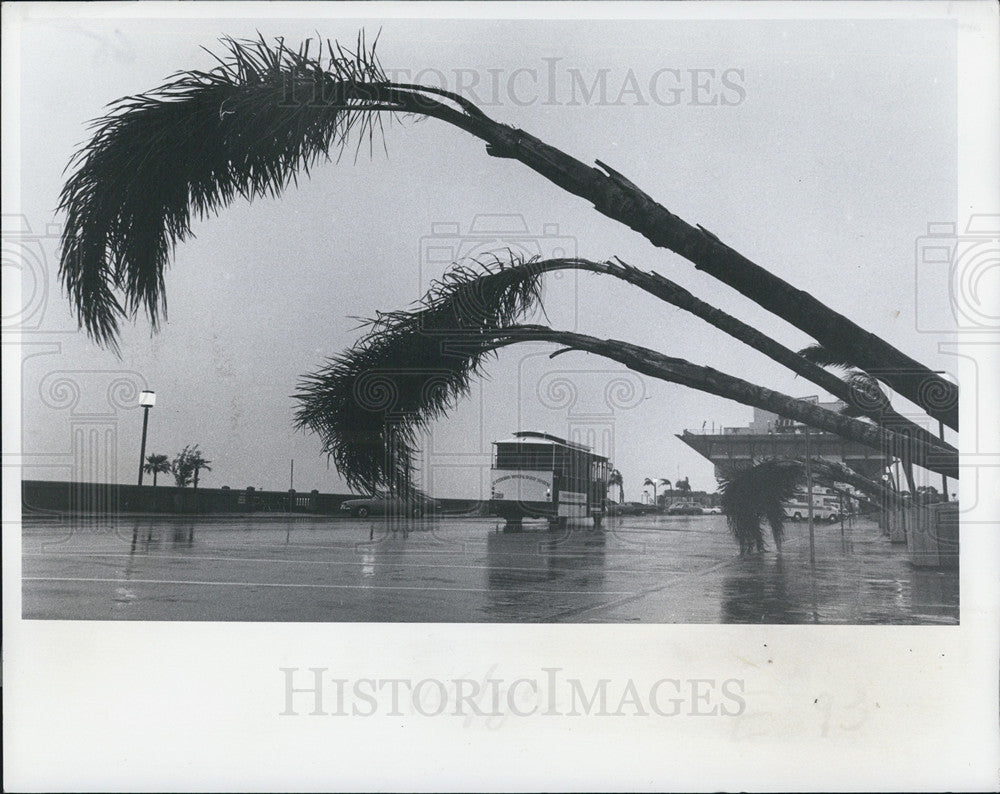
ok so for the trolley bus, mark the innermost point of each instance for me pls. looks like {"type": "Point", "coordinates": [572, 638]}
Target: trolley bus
{"type": "Point", "coordinates": [536, 475]}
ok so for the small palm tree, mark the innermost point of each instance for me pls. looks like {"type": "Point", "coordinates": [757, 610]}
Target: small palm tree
{"type": "Point", "coordinates": [197, 464]}
{"type": "Point", "coordinates": [651, 482]}
{"type": "Point", "coordinates": [187, 465]}
{"type": "Point", "coordinates": [182, 475]}
{"type": "Point", "coordinates": [615, 479]}
{"type": "Point", "coordinates": [683, 486]}
{"type": "Point", "coordinates": [665, 481]}
{"type": "Point", "coordinates": [156, 464]}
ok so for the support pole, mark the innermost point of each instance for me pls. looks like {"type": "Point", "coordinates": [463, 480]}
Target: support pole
{"type": "Point", "coordinates": [944, 477]}
{"type": "Point", "coordinates": [809, 500]}
{"type": "Point", "coordinates": [142, 449]}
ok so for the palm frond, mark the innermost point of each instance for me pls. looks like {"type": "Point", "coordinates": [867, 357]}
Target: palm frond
{"type": "Point", "coordinates": [184, 150]}
{"type": "Point", "coordinates": [756, 493]}
{"type": "Point", "coordinates": [823, 357]}
{"type": "Point", "coordinates": [369, 404]}
{"type": "Point", "coordinates": [867, 397]}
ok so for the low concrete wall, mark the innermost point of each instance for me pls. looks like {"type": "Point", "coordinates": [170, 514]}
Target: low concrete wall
{"type": "Point", "coordinates": [55, 497]}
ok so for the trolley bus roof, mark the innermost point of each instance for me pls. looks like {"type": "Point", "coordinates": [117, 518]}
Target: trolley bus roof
{"type": "Point", "coordinates": [533, 437]}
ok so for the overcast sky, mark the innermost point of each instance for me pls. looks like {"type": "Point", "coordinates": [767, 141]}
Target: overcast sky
{"type": "Point", "coordinates": [819, 149]}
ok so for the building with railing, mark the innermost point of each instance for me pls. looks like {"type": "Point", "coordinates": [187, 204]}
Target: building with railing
{"type": "Point", "coordinates": [771, 436]}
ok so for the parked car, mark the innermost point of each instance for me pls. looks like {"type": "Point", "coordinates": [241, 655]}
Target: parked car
{"type": "Point", "coordinates": [712, 511]}
{"type": "Point", "coordinates": [629, 509]}
{"type": "Point", "coordinates": [386, 505]}
{"type": "Point", "coordinates": [684, 509]}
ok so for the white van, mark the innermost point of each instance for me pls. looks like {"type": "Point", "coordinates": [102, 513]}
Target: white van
{"type": "Point", "coordinates": [825, 507]}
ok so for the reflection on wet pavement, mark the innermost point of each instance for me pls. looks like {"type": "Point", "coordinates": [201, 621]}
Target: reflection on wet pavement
{"type": "Point", "coordinates": [679, 569]}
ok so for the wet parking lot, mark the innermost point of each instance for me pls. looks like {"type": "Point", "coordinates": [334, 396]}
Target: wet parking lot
{"type": "Point", "coordinates": [654, 569]}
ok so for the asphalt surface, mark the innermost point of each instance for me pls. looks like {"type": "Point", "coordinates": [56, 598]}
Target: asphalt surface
{"type": "Point", "coordinates": [678, 569]}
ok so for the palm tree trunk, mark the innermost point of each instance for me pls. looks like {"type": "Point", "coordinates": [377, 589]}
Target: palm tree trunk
{"type": "Point", "coordinates": [908, 471]}
{"type": "Point", "coordinates": [616, 197]}
{"type": "Point", "coordinates": [706, 379]}
{"type": "Point", "coordinates": [672, 293]}
{"type": "Point", "coordinates": [619, 199]}
{"type": "Point", "coordinates": [876, 490]}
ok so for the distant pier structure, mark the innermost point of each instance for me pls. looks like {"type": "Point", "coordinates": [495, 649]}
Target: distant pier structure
{"type": "Point", "coordinates": [769, 436]}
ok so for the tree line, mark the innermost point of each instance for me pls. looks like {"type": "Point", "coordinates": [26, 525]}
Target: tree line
{"type": "Point", "coordinates": [186, 466]}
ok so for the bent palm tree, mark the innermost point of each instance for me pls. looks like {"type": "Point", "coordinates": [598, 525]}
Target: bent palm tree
{"type": "Point", "coordinates": [156, 464]}
{"type": "Point", "coordinates": [187, 144]}
{"type": "Point", "coordinates": [368, 404]}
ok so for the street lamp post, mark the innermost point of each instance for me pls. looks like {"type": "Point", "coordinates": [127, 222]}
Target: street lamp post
{"type": "Point", "coordinates": [147, 399]}
{"type": "Point", "coordinates": [944, 477]}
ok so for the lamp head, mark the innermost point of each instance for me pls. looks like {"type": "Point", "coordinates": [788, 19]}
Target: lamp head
{"type": "Point", "coordinates": [147, 399]}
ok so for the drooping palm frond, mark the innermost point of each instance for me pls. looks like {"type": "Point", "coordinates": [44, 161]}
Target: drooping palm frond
{"type": "Point", "coordinates": [369, 404]}
{"type": "Point", "coordinates": [757, 493]}
{"type": "Point", "coordinates": [867, 397]}
{"type": "Point", "coordinates": [190, 147]}
{"type": "Point", "coordinates": [823, 357]}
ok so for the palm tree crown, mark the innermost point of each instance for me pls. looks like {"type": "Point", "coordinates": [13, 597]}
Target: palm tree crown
{"type": "Point", "coordinates": [156, 464]}
{"type": "Point", "coordinates": [756, 493]}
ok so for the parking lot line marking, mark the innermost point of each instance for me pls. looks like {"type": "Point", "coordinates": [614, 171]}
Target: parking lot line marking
{"type": "Point", "coordinates": [290, 585]}
{"type": "Point", "coordinates": [385, 563]}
